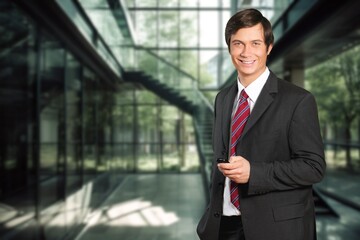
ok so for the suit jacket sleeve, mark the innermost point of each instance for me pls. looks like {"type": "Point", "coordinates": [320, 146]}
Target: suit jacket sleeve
{"type": "Point", "coordinates": [306, 164]}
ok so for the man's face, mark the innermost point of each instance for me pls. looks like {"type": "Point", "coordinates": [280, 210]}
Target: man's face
{"type": "Point", "coordinates": [249, 53]}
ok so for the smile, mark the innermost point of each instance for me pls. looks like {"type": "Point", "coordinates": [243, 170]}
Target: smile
{"type": "Point", "coordinates": [247, 62]}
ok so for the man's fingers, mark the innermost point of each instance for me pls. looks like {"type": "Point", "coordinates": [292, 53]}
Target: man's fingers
{"type": "Point", "coordinates": [226, 166]}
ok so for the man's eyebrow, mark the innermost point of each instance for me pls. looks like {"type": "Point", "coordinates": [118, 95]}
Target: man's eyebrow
{"type": "Point", "coordinates": [255, 40]}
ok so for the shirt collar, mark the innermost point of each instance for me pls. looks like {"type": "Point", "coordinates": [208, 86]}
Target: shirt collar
{"type": "Point", "coordinates": [254, 88]}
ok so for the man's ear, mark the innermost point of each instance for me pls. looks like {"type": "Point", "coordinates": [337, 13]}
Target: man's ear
{"type": "Point", "coordinates": [269, 49]}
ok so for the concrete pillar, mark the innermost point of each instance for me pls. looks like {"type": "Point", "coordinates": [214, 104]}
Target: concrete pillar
{"type": "Point", "coordinates": [297, 76]}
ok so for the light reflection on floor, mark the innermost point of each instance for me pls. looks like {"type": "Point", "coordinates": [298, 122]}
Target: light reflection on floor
{"type": "Point", "coordinates": [168, 207]}
{"type": "Point", "coordinates": [133, 213]}
{"type": "Point", "coordinates": [153, 206]}
{"type": "Point", "coordinates": [346, 227]}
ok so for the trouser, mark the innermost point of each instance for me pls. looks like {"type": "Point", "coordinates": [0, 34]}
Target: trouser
{"type": "Point", "coordinates": [231, 228]}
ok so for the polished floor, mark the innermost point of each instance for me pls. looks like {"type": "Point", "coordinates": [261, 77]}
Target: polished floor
{"type": "Point", "coordinates": [151, 207]}
{"type": "Point", "coordinates": [168, 206]}
{"type": "Point", "coordinates": [345, 188]}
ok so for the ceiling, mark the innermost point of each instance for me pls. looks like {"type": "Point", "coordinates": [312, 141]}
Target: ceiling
{"type": "Point", "coordinates": [326, 30]}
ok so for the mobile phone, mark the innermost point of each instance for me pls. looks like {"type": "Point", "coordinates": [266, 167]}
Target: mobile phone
{"type": "Point", "coordinates": [222, 160]}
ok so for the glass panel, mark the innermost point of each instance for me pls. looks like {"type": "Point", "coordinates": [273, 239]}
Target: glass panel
{"type": "Point", "coordinates": [126, 96]}
{"type": "Point", "coordinates": [146, 28]}
{"type": "Point", "coordinates": [170, 124]}
{"type": "Point", "coordinates": [208, 68]}
{"type": "Point", "coordinates": [146, 3]}
{"type": "Point", "coordinates": [147, 125]}
{"type": "Point", "coordinates": [188, 62]}
{"type": "Point", "coordinates": [52, 123]}
{"type": "Point", "coordinates": [147, 157]}
{"type": "Point", "coordinates": [228, 68]}
{"type": "Point", "coordinates": [188, 3]}
{"type": "Point", "coordinates": [225, 18]}
{"type": "Point", "coordinates": [123, 131]}
{"type": "Point", "coordinates": [106, 24]}
{"type": "Point", "coordinates": [279, 7]}
{"type": "Point", "coordinates": [169, 3]}
{"type": "Point", "coordinates": [171, 157]}
{"type": "Point", "coordinates": [209, 29]}
{"type": "Point", "coordinates": [209, 3]}
{"type": "Point", "coordinates": [168, 29]}
{"type": "Point", "coordinates": [73, 123]}
{"type": "Point", "coordinates": [146, 97]}
{"type": "Point", "coordinates": [124, 55]}
{"type": "Point", "coordinates": [124, 157]}
{"type": "Point", "coordinates": [95, 3]}
{"type": "Point", "coordinates": [189, 157]}
{"type": "Point", "coordinates": [335, 84]}
{"type": "Point", "coordinates": [124, 124]}
{"type": "Point", "coordinates": [73, 96]}
{"type": "Point", "coordinates": [52, 137]}
{"type": "Point", "coordinates": [17, 70]}
{"type": "Point", "coordinates": [72, 11]}
{"type": "Point", "coordinates": [130, 3]}
{"type": "Point", "coordinates": [89, 125]}
{"type": "Point", "coordinates": [188, 28]}
{"type": "Point", "coordinates": [104, 132]}
{"type": "Point", "coordinates": [190, 162]}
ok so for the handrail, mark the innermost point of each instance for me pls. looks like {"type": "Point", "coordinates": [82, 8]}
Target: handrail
{"type": "Point", "coordinates": [165, 61]}
{"type": "Point", "coordinates": [167, 73]}
{"type": "Point", "coordinates": [95, 38]}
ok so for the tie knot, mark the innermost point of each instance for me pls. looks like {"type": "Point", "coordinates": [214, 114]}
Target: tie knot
{"type": "Point", "coordinates": [244, 94]}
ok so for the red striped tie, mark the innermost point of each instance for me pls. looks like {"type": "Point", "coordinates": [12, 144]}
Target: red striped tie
{"type": "Point", "coordinates": [237, 126]}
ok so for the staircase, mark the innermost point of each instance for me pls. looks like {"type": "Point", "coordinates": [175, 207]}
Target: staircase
{"type": "Point", "coordinates": [203, 124]}
{"type": "Point", "coordinates": [322, 208]}
{"type": "Point", "coordinates": [174, 97]}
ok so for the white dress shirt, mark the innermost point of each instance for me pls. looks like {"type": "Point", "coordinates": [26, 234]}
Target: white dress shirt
{"type": "Point", "coordinates": [253, 91]}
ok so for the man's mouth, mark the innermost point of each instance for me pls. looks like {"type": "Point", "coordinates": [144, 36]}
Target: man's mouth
{"type": "Point", "coordinates": [247, 62]}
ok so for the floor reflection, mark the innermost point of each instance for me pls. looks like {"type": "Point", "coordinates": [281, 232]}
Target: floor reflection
{"type": "Point", "coordinates": [168, 207]}
{"type": "Point", "coordinates": [151, 206]}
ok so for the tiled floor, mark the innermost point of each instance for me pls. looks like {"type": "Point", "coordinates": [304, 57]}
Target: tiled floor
{"type": "Point", "coordinates": [345, 186]}
{"type": "Point", "coordinates": [168, 206]}
{"type": "Point", "coordinates": [346, 227]}
{"type": "Point", "coordinates": [151, 207]}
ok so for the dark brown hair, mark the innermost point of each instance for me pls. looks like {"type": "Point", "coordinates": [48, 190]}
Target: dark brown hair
{"type": "Point", "coordinates": [248, 18]}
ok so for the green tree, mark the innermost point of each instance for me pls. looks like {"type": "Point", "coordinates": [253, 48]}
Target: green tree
{"type": "Point", "coordinates": [336, 86]}
{"type": "Point", "coordinates": [349, 63]}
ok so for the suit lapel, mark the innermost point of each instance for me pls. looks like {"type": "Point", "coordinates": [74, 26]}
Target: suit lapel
{"type": "Point", "coordinates": [264, 100]}
{"type": "Point", "coordinates": [227, 111]}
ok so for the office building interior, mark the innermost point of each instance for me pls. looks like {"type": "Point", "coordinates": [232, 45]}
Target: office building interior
{"type": "Point", "coordinates": [107, 109]}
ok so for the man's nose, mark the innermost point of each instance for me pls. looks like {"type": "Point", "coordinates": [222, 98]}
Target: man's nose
{"type": "Point", "coordinates": [245, 50]}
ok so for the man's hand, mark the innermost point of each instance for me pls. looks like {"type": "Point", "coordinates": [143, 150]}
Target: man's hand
{"type": "Point", "coordinates": [238, 169]}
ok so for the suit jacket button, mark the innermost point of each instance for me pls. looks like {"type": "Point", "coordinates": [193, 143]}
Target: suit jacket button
{"type": "Point", "coordinates": [216, 214]}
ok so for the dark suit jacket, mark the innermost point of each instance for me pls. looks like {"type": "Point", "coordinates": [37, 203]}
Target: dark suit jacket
{"type": "Point", "coordinates": [283, 144]}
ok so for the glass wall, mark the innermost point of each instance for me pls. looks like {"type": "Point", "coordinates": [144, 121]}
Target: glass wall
{"type": "Point", "coordinates": [172, 30]}
{"type": "Point", "coordinates": [18, 166]}
{"type": "Point", "coordinates": [68, 138]}
{"type": "Point", "coordinates": [336, 85]}
{"type": "Point", "coordinates": [190, 34]}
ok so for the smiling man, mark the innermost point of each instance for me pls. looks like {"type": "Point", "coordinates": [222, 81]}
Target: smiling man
{"type": "Point", "coordinates": [268, 150]}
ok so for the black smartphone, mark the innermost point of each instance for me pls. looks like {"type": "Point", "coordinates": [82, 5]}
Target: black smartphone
{"type": "Point", "coordinates": [222, 160]}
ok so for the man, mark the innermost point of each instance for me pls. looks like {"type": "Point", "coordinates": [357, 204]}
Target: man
{"type": "Point", "coordinates": [268, 130]}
